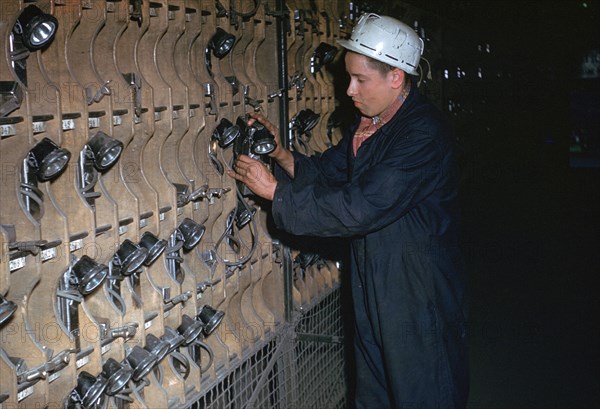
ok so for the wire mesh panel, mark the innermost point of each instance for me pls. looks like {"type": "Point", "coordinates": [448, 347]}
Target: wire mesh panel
{"type": "Point", "coordinates": [237, 388]}
{"type": "Point", "coordinates": [319, 354]}
{"type": "Point", "coordinates": [300, 367]}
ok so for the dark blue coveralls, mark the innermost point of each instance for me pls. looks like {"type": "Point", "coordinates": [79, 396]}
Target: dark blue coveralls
{"type": "Point", "coordinates": [397, 202]}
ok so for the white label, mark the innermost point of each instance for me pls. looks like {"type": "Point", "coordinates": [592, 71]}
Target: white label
{"type": "Point", "coordinates": [48, 254]}
{"type": "Point", "coordinates": [105, 349]}
{"type": "Point", "coordinates": [53, 377]}
{"type": "Point", "coordinates": [179, 211]}
{"type": "Point", "coordinates": [76, 245]}
{"type": "Point", "coordinates": [6, 130]}
{"type": "Point", "coordinates": [82, 361]}
{"type": "Point", "coordinates": [123, 229]}
{"type": "Point", "coordinates": [175, 114]}
{"type": "Point", "coordinates": [171, 15]}
{"type": "Point", "coordinates": [157, 116]}
{"type": "Point", "coordinates": [94, 122]}
{"type": "Point", "coordinates": [16, 264]}
{"type": "Point", "coordinates": [196, 205]}
{"type": "Point", "coordinates": [148, 324]}
{"type": "Point", "coordinates": [161, 217]}
{"type": "Point", "coordinates": [143, 223]}
{"type": "Point", "coordinates": [192, 112]}
{"type": "Point", "coordinates": [68, 124]}
{"type": "Point", "coordinates": [24, 393]}
{"type": "Point", "coordinates": [166, 314]}
{"type": "Point", "coordinates": [117, 120]}
{"type": "Point", "coordinates": [39, 127]}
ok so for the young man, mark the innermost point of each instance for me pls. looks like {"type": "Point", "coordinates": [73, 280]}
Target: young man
{"type": "Point", "coordinates": [391, 187]}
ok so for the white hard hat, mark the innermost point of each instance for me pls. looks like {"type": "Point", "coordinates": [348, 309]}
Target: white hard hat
{"type": "Point", "coordinates": [386, 39]}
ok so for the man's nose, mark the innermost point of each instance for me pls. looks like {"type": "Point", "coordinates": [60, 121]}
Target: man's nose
{"type": "Point", "coordinates": [350, 90]}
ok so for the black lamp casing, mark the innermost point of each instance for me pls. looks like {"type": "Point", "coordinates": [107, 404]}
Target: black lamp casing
{"type": "Point", "coordinates": [211, 318]}
{"type": "Point", "coordinates": [190, 329]}
{"type": "Point", "coordinates": [226, 132]}
{"type": "Point", "coordinates": [192, 232]}
{"type": "Point", "coordinates": [36, 28]}
{"type": "Point", "coordinates": [89, 274]}
{"type": "Point", "coordinates": [306, 120]}
{"type": "Point", "coordinates": [221, 43]}
{"type": "Point", "coordinates": [90, 388]}
{"type": "Point", "coordinates": [158, 347]}
{"type": "Point", "coordinates": [48, 159]}
{"type": "Point", "coordinates": [154, 245]}
{"type": "Point", "coordinates": [263, 141]}
{"type": "Point", "coordinates": [130, 257]}
{"type": "Point", "coordinates": [141, 361]}
{"type": "Point", "coordinates": [106, 150]}
{"type": "Point", "coordinates": [325, 53]}
{"type": "Point", "coordinates": [117, 374]}
{"type": "Point", "coordinates": [174, 338]}
{"type": "Point", "coordinates": [255, 139]}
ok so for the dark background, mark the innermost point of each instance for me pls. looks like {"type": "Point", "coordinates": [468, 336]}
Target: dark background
{"type": "Point", "coordinates": [530, 212]}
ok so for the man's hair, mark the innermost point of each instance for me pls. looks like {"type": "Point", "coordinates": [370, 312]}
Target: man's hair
{"type": "Point", "coordinates": [380, 66]}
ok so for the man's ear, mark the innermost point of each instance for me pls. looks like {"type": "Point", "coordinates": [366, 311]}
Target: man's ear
{"type": "Point", "coordinates": [397, 77]}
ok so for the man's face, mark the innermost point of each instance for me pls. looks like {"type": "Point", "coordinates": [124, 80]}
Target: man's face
{"type": "Point", "coordinates": [371, 91]}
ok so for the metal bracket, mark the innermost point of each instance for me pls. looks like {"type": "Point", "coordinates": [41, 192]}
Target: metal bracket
{"type": "Point", "coordinates": [97, 97]}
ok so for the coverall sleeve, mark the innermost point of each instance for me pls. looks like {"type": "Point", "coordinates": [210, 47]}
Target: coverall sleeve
{"type": "Point", "coordinates": [406, 174]}
{"type": "Point", "coordinates": [330, 166]}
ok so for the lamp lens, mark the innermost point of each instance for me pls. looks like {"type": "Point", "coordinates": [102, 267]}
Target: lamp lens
{"type": "Point", "coordinates": [53, 164]}
{"type": "Point", "coordinates": [263, 147]}
{"type": "Point", "coordinates": [41, 33]}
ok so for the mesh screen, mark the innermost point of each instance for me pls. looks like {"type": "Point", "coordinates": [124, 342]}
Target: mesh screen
{"type": "Point", "coordinates": [301, 366]}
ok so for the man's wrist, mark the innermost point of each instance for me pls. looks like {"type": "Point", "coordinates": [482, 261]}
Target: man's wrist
{"type": "Point", "coordinates": [272, 192]}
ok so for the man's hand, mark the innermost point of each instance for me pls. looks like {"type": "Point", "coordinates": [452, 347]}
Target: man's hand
{"type": "Point", "coordinates": [280, 154]}
{"type": "Point", "coordinates": [254, 174]}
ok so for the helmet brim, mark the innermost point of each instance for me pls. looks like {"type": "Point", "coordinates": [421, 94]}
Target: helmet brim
{"type": "Point", "coordinates": [350, 46]}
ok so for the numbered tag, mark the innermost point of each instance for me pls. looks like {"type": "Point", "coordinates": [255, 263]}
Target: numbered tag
{"type": "Point", "coordinates": [81, 362]}
{"type": "Point", "coordinates": [68, 124]}
{"type": "Point", "coordinates": [8, 130]}
{"type": "Point", "coordinates": [24, 393]}
{"type": "Point", "coordinates": [76, 245]}
{"type": "Point", "coordinates": [94, 122]}
{"type": "Point", "coordinates": [16, 263]}
{"type": "Point", "coordinates": [48, 254]}
{"type": "Point", "coordinates": [39, 127]}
